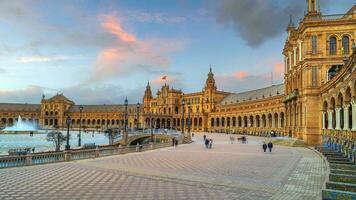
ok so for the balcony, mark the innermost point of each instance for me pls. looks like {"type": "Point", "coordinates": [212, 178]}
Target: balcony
{"type": "Point", "coordinates": [293, 95]}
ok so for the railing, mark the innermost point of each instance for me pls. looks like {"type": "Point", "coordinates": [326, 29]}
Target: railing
{"type": "Point", "coordinates": [53, 157]}
{"type": "Point", "coordinates": [293, 95]}
{"type": "Point", "coordinates": [330, 17]}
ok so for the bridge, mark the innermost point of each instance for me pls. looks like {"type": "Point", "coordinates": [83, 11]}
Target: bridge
{"type": "Point", "coordinates": [158, 138]}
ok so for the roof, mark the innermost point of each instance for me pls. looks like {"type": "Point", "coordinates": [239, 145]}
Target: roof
{"type": "Point", "coordinates": [20, 107]}
{"type": "Point", "coordinates": [274, 90]}
{"type": "Point", "coordinates": [60, 97]}
{"type": "Point", "coordinates": [102, 108]}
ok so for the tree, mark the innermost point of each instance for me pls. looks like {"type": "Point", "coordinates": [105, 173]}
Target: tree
{"type": "Point", "coordinates": [112, 133]}
{"type": "Point", "coordinates": [57, 137]}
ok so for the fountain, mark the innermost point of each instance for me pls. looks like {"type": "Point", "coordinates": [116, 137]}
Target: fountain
{"type": "Point", "coordinates": [21, 127]}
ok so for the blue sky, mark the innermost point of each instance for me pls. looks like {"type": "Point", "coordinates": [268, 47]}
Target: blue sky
{"type": "Point", "coordinates": [99, 52]}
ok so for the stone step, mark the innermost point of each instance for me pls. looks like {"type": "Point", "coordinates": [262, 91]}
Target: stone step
{"type": "Point", "coordinates": [340, 162]}
{"type": "Point", "coordinates": [342, 178]}
{"type": "Point", "coordinates": [341, 171]}
{"type": "Point", "coordinates": [329, 194]}
{"type": "Point", "coordinates": [342, 167]}
{"type": "Point", "coordinates": [341, 186]}
{"type": "Point", "coordinates": [338, 159]}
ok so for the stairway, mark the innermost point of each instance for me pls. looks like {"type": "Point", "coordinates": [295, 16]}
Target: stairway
{"type": "Point", "coordinates": [342, 177]}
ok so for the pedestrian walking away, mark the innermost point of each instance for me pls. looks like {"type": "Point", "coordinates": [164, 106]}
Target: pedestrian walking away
{"type": "Point", "coordinates": [206, 143]}
{"type": "Point", "coordinates": [210, 143]}
{"type": "Point", "coordinates": [264, 146]}
{"type": "Point", "coordinates": [204, 137]}
{"type": "Point", "coordinates": [270, 146]}
{"type": "Point", "coordinates": [176, 143]}
{"type": "Point", "coordinates": [173, 141]}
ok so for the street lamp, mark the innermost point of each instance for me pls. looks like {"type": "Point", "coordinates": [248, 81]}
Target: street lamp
{"type": "Point", "coordinates": [125, 121]}
{"type": "Point", "coordinates": [138, 115]}
{"type": "Point", "coordinates": [183, 104]}
{"type": "Point", "coordinates": [68, 124]}
{"type": "Point", "coordinates": [189, 120]}
{"type": "Point", "coordinates": [80, 126]}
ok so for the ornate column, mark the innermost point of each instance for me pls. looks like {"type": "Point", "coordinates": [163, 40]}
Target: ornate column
{"type": "Point", "coordinates": [338, 112]}
{"type": "Point", "coordinates": [273, 120]}
{"type": "Point", "coordinates": [330, 121]}
{"type": "Point", "coordinates": [346, 117]}
{"type": "Point", "coordinates": [290, 60]}
{"type": "Point", "coordinates": [353, 108]}
{"type": "Point", "coordinates": [267, 122]}
{"type": "Point", "coordinates": [294, 56]}
{"type": "Point", "coordinates": [323, 117]}
{"type": "Point", "coordinates": [279, 121]}
{"type": "Point", "coordinates": [300, 50]}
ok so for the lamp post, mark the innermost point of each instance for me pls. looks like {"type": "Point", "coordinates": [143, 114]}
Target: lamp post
{"type": "Point", "coordinates": [80, 126]}
{"type": "Point", "coordinates": [138, 115]}
{"type": "Point", "coordinates": [183, 104]}
{"type": "Point", "coordinates": [67, 147]}
{"type": "Point", "coordinates": [125, 120]}
{"type": "Point", "coordinates": [189, 120]}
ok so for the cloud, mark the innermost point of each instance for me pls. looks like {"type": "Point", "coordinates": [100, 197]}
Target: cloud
{"type": "Point", "coordinates": [258, 20]}
{"type": "Point", "coordinates": [128, 54]}
{"type": "Point", "coordinates": [240, 74]}
{"type": "Point", "coordinates": [2, 71]}
{"type": "Point", "coordinates": [30, 94]}
{"type": "Point", "coordinates": [38, 58]}
{"type": "Point", "coordinates": [154, 17]}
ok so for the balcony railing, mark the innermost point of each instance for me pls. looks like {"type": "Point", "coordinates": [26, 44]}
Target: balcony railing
{"type": "Point", "coordinates": [293, 95]}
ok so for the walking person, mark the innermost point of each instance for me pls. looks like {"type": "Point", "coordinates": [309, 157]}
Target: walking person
{"type": "Point", "coordinates": [270, 146]}
{"type": "Point", "coordinates": [204, 137]}
{"type": "Point", "coordinates": [264, 146]}
{"type": "Point", "coordinates": [210, 143]}
{"type": "Point", "coordinates": [173, 142]}
{"type": "Point", "coordinates": [207, 143]}
{"type": "Point", "coordinates": [176, 143]}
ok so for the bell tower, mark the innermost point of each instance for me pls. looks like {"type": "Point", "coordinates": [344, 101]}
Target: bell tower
{"type": "Point", "coordinates": [312, 6]}
{"type": "Point", "coordinates": [209, 92]}
{"type": "Point", "coordinates": [147, 98]}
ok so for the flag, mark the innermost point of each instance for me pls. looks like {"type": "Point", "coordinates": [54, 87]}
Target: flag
{"type": "Point", "coordinates": [164, 77]}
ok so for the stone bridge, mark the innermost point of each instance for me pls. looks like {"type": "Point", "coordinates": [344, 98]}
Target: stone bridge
{"type": "Point", "coordinates": [133, 139]}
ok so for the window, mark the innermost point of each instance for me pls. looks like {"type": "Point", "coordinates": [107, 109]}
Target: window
{"type": "Point", "coordinates": [332, 46]}
{"type": "Point", "coordinates": [314, 76]}
{"type": "Point", "coordinates": [345, 45]}
{"type": "Point", "coordinates": [314, 44]}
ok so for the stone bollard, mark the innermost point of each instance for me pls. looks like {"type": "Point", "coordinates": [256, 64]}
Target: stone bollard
{"type": "Point", "coordinates": [67, 156]}
{"type": "Point", "coordinates": [29, 160]}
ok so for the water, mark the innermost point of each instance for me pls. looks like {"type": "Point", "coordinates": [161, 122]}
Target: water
{"type": "Point", "coordinates": [20, 141]}
{"type": "Point", "coordinates": [22, 126]}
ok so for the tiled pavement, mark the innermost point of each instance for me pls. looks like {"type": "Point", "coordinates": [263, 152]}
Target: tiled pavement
{"type": "Point", "coordinates": [228, 171]}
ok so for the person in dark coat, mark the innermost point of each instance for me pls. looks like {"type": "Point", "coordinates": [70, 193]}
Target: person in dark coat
{"type": "Point", "coordinates": [207, 143]}
{"type": "Point", "coordinates": [204, 137]}
{"type": "Point", "coordinates": [264, 146]}
{"type": "Point", "coordinates": [173, 142]}
{"type": "Point", "coordinates": [176, 143]}
{"type": "Point", "coordinates": [270, 146]}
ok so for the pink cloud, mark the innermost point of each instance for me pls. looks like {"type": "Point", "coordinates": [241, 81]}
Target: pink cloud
{"type": "Point", "coordinates": [240, 74]}
{"type": "Point", "coordinates": [129, 54]}
{"type": "Point", "coordinates": [113, 25]}
{"type": "Point", "coordinates": [278, 69]}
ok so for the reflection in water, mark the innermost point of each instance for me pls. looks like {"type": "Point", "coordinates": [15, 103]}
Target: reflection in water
{"type": "Point", "coordinates": [17, 141]}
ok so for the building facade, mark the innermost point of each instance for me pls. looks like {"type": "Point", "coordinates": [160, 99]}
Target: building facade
{"type": "Point", "coordinates": [318, 95]}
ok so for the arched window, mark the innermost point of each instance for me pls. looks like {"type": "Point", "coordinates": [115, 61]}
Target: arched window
{"type": "Point", "coordinates": [333, 46]}
{"type": "Point", "coordinates": [345, 44]}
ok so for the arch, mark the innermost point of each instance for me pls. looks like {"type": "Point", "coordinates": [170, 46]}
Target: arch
{"type": "Point", "coordinates": [282, 119]}
{"type": "Point", "coordinates": [212, 122]}
{"type": "Point", "coordinates": [258, 124]}
{"type": "Point", "coordinates": [263, 120]}
{"type": "Point", "coordinates": [158, 123]}
{"type": "Point", "coordinates": [340, 104]}
{"type": "Point", "coordinates": [223, 121]}
{"type": "Point", "coordinates": [245, 121]}
{"type": "Point", "coordinates": [275, 118]}
{"type": "Point", "coordinates": [88, 122]}
{"type": "Point", "coordinates": [332, 107]}
{"type": "Point", "coordinates": [332, 45]}
{"type": "Point", "coordinates": [195, 121]}
{"type": "Point", "coordinates": [228, 121]}
{"type": "Point", "coordinates": [174, 122]}
{"type": "Point", "coordinates": [217, 121]}
{"type": "Point", "coordinates": [200, 122]}
{"type": "Point", "coordinates": [269, 120]}
{"type": "Point", "coordinates": [234, 121]}
{"type": "Point", "coordinates": [345, 44]}
{"type": "Point", "coordinates": [98, 121]}
{"type": "Point", "coordinates": [239, 120]}
{"type": "Point", "coordinates": [325, 110]}
{"type": "Point", "coordinates": [93, 122]}
{"type": "Point", "coordinates": [251, 121]}
{"type": "Point", "coordinates": [348, 97]}
{"type": "Point", "coordinates": [46, 122]}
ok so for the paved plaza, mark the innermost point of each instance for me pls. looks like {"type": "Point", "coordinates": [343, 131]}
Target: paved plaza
{"type": "Point", "coordinates": [227, 171]}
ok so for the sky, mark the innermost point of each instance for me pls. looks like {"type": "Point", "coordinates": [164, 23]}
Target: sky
{"type": "Point", "coordinates": [99, 52]}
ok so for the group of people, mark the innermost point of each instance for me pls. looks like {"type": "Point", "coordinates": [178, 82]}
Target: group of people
{"type": "Point", "coordinates": [208, 142]}
{"type": "Point", "coordinates": [269, 146]}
